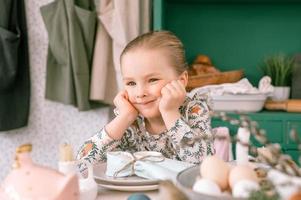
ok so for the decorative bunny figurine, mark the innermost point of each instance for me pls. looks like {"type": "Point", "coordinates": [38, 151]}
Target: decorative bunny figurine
{"type": "Point", "coordinates": [30, 181]}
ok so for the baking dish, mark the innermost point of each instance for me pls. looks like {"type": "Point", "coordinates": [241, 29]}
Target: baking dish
{"type": "Point", "coordinates": [238, 102]}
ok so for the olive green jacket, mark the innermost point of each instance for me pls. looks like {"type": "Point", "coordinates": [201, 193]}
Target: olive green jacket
{"type": "Point", "coordinates": [71, 26]}
{"type": "Point", "coordinates": [14, 66]}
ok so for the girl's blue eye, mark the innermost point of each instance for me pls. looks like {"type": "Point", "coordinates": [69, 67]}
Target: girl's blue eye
{"type": "Point", "coordinates": [131, 83]}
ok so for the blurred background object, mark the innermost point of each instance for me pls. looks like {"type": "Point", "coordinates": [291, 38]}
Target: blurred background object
{"type": "Point", "coordinates": [296, 78]}
{"type": "Point", "coordinates": [202, 72]}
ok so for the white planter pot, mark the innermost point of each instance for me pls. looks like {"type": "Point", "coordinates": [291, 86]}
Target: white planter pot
{"type": "Point", "coordinates": [281, 93]}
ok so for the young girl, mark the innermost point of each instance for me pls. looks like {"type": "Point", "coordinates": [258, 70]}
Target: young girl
{"type": "Point", "coordinates": [153, 111]}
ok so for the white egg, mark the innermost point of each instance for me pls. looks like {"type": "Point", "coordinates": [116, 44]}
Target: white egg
{"type": "Point", "coordinates": [206, 186]}
{"type": "Point", "coordinates": [279, 179]}
{"type": "Point", "coordinates": [286, 191]}
{"type": "Point", "coordinates": [243, 188]}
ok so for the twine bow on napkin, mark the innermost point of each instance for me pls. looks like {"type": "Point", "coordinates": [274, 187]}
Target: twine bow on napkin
{"type": "Point", "coordinates": [143, 156]}
{"type": "Point", "coordinates": [146, 164]}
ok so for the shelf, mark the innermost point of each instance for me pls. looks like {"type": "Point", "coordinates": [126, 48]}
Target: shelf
{"type": "Point", "coordinates": [271, 115]}
{"type": "Point", "coordinates": [234, 34]}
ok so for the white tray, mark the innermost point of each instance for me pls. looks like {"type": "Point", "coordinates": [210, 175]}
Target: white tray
{"type": "Point", "coordinates": [239, 102]}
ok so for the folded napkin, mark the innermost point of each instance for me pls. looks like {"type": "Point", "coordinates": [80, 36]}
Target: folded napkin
{"type": "Point", "coordinates": [146, 164]}
{"type": "Point", "coordinates": [243, 86]}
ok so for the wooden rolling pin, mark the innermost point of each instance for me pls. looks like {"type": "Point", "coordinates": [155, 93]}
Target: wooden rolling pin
{"type": "Point", "coordinates": [292, 105]}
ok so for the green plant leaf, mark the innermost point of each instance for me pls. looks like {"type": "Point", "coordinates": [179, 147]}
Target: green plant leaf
{"type": "Point", "coordinates": [279, 67]}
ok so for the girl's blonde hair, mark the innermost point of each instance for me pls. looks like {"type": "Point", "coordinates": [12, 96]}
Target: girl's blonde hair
{"type": "Point", "coordinates": [165, 40]}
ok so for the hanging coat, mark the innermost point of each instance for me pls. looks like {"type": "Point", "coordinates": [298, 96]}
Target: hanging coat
{"type": "Point", "coordinates": [119, 22]}
{"type": "Point", "coordinates": [103, 85]}
{"type": "Point", "coordinates": [124, 20]}
{"type": "Point", "coordinates": [71, 28]}
{"type": "Point", "coordinates": [14, 66]}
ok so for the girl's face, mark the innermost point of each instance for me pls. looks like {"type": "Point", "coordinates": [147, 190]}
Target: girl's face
{"type": "Point", "coordinates": [145, 73]}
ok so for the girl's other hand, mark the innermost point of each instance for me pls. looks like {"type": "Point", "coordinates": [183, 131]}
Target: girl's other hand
{"type": "Point", "coordinates": [123, 105]}
{"type": "Point", "coordinates": [172, 96]}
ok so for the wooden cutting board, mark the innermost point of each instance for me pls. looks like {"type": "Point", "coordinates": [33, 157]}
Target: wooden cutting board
{"type": "Point", "coordinates": [291, 105]}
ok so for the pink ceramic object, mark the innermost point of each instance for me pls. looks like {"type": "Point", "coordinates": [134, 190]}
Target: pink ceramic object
{"type": "Point", "coordinates": [223, 147]}
{"type": "Point", "coordinates": [30, 181]}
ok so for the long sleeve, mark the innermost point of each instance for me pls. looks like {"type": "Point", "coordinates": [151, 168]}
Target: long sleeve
{"type": "Point", "coordinates": [94, 149]}
{"type": "Point", "coordinates": [194, 122]}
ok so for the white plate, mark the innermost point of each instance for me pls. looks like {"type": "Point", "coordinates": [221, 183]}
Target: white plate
{"type": "Point", "coordinates": [101, 178]}
{"type": "Point", "coordinates": [130, 188]}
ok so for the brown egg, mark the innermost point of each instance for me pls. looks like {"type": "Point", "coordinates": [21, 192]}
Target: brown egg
{"type": "Point", "coordinates": [215, 169]}
{"type": "Point", "coordinates": [242, 172]}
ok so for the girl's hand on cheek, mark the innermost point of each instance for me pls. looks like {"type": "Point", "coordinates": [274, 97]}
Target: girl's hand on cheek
{"type": "Point", "coordinates": [172, 96]}
{"type": "Point", "coordinates": [123, 105]}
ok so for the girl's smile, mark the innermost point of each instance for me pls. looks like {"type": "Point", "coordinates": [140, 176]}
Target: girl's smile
{"type": "Point", "coordinates": [145, 104]}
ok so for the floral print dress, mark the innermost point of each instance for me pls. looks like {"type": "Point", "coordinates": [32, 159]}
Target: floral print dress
{"type": "Point", "coordinates": [194, 121]}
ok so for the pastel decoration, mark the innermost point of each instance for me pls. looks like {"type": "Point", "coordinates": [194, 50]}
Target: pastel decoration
{"type": "Point", "coordinates": [242, 150]}
{"type": "Point", "coordinates": [24, 180]}
{"type": "Point", "coordinates": [222, 146]}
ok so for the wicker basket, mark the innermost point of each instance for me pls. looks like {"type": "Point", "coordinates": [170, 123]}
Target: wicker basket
{"type": "Point", "coordinates": [216, 78]}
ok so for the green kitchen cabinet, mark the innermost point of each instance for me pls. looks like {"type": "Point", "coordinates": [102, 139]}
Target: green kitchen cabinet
{"type": "Point", "coordinates": [277, 125]}
{"type": "Point", "coordinates": [234, 33]}
{"type": "Point", "coordinates": [239, 34]}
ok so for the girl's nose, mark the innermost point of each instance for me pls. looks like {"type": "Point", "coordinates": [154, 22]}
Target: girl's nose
{"type": "Point", "coordinates": [141, 92]}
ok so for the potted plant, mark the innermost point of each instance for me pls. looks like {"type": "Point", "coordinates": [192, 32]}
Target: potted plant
{"type": "Point", "coordinates": [279, 67]}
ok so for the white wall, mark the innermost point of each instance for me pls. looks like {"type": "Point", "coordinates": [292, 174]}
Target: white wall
{"type": "Point", "coordinates": [50, 123]}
